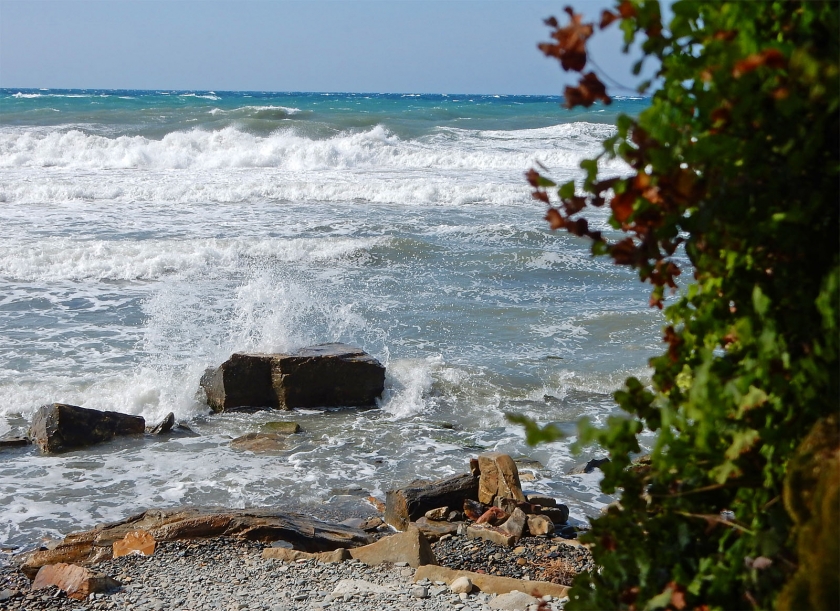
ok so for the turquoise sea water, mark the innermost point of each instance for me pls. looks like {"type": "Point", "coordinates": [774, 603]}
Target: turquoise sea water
{"type": "Point", "coordinates": [149, 235]}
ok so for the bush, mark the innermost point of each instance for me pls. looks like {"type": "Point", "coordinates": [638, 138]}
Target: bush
{"type": "Point", "coordinates": [736, 162]}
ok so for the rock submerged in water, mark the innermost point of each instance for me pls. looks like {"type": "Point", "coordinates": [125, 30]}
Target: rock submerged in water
{"type": "Point", "coordinates": [58, 427]}
{"type": "Point", "coordinates": [326, 375]}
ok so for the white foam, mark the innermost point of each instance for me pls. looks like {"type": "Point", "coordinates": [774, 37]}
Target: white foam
{"type": "Point", "coordinates": [53, 259]}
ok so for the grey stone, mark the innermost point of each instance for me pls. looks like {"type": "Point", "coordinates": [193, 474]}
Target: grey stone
{"type": "Point", "coordinates": [513, 601]}
{"type": "Point", "coordinates": [420, 592]}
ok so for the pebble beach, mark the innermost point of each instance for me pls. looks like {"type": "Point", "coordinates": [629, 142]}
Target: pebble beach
{"type": "Point", "coordinates": [230, 575]}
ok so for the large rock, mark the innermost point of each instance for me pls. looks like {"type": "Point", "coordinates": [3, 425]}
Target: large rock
{"type": "Point", "coordinates": [499, 477]}
{"type": "Point", "coordinates": [490, 583]}
{"type": "Point", "coordinates": [319, 376]}
{"type": "Point", "coordinates": [303, 532]}
{"type": "Point", "coordinates": [410, 546]}
{"type": "Point", "coordinates": [409, 503]}
{"type": "Point", "coordinates": [78, 582]}
{"type": "Point", "coordinates": [57, 427]}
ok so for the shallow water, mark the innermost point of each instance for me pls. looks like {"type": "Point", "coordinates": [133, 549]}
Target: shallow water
{"type": "Point", "coordinates": [151, 235]}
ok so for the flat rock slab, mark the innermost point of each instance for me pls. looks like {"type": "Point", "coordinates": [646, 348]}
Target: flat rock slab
{"type": "Point", "coordinates": [411, 547]}
{"type": "Point", "coordinates": [489, 583]}
{"type": "Point", "coordinates": [303, 532]}
{"type": "Point", "coordinates": [326, 375]}
{"type": "Point", "coordinates": [58, 427]}
{"type": "Point", "coordinates": [262, 442]}
{"type": "Point", "coordinates": [78, 582]}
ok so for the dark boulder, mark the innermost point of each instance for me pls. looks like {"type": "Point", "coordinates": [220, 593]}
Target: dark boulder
{"type": "Point", "coordinates": [162, 427]}
{"type": "Point", "coordinates": [57, 427]}
{"type": "Point", "coordinates": [326, 375]}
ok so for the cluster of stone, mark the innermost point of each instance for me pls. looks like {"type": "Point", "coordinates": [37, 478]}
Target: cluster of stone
{"type": "Point", "coordinates": [487, 503]}
{"type": "Point", "coordinates": [325, 375]}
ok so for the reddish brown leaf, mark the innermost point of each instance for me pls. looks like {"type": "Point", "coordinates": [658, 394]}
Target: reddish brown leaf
{"type": "Point", "coordinates": [607, 17]}
{"type": "Point", "coordinates": [622, 205]}
{"type": "Point", "coordinates": [601, 186]}
{"type": "Point", "coordinates": [574, 205]}
{"type": "Point", "coordinates": [725, 35]}
{"type": "Point", "coordinates": [540, 195]}
{"type": "Point", "coordinates": [587, 92]}
{"type": "Point", "coordinates": [551, 22]}
{"type": "Point", "coordinates": [571, 41]}
{"type": "Point", "coordinates": [720, 116]}
{"type": "Point", "coordinates": [554, 218]}
{"type": "Point", "coordinates": [533, 177]}
{"type": "Point", "coordinates": [772, 58]}
{"type": "Point", "coordinates": [677, 596]}
{"type": "Point", "coordinates": [627, 10]}
{"type": "Point", "coordinates": [624, 252]}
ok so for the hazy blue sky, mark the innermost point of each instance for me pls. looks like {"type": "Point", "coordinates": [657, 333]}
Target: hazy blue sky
{"type": "Point", "coordinates": [429, 46]}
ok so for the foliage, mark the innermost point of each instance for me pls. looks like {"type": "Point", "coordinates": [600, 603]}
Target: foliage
{"type": "Point", "coordinates": [734, 167]}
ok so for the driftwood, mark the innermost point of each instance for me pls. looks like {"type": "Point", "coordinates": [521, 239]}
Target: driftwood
{"type": "Point", "coordinates": [303, 532]}
{"type": "Point", "coordinates": [413, 501]}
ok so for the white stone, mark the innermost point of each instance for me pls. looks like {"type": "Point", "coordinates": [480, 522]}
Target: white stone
{"type": "Point", "coordinates": [461, 585]}
{"type": "Point", "coordinates": [513, 601]}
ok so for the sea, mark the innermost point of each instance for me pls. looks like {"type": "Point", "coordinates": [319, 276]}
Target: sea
{"type": "Point", "coordinates": [148, 235]}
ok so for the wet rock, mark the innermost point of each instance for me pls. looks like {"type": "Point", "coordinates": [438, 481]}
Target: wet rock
{"type": "Point", "coordinates": [410, 546]}
{"type": "Point", "coordinates": [261, 442]}
{"type": "Point", "coordinates": [78, 582]}
{"type": "Point", "coordinates": [162, 427]}
{"type": "Point", "coordinates": [285, 427]}
{"type": "Point", "coordinates": [499, 477]}
{"type": "Point", "coordinates": [139, 542]}
{"type": "Point", "coordinates": [14, 442]}
{"type": "Point", "coordinates": [319, 376]}
{"type": "Point", "coordinates": [588, 467]}
{"type": "Point", "coordinates": [58, 427]}
{"type": "Point", "coordinates": [409, 503]}
{"type": "Point", "coordinates": [540, 525]}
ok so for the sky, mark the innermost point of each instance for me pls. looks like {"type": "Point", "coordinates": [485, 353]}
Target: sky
{"type": "Point", "coordinates": [399, 46]}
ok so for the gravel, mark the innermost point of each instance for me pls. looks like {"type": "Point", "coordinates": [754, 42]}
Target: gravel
{"type": "Point", "coordinates": [229, 575]}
